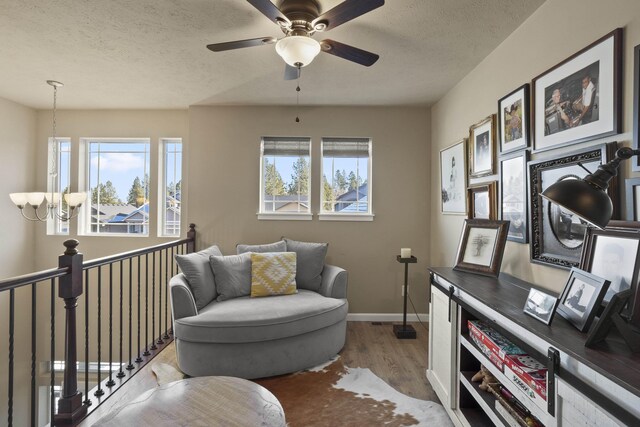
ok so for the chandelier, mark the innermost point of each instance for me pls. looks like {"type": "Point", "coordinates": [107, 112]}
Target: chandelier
{"type": "Point", "coordinates": [53, 197]}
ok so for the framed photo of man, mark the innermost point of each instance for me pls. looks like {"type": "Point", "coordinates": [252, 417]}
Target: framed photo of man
{"type": "Point", "coordinates": [614, 254]}
{"type": "Point", "coordinates": [453, 178]}
{"type": "Point", "coordinates": [580, 99]}
{"type": "Point", "coordinates": [513, 194]}
{"type": "Point", "coordinates": [482, 147]}
{"type": "Point", "coordinates": [581, 298]}
{"type": "Point", "coordinates": [481, 246]}
{"type": "Point", "coordinates": [513, 120]}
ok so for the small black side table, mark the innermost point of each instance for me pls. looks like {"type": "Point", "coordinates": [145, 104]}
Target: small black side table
{"type": "Point", "coordinates": [405, 331]}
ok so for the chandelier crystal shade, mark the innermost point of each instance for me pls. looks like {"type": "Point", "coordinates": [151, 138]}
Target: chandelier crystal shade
{"type": "Point", "coordinates": [53, 197]}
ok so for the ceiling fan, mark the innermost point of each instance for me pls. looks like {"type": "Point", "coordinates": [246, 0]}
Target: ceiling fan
{"type": "Point", "coordinates": [299, 20]}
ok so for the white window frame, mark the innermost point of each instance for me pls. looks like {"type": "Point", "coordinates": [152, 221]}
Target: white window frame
{"type": "Point", "coordinates": [53, 224]}
{"type": "Point", "coordinates": [84, 218]}
{"type": "Point", "coordinates": [162, 185]}
{"type": "Point", "coordinates": [351, 216]}
{"type": "Point", "coordinates": [287, 216]}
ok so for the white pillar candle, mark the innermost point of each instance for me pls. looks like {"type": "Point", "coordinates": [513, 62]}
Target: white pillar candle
{"type": "Point", "coordinates": [405, 253]}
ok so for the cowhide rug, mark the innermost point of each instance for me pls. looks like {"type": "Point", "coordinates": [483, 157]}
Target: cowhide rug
{"type": "Point", "coordinates": [336, 395]}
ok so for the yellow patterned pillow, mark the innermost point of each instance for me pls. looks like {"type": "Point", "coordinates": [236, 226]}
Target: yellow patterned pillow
{"type": "Point", "coordinates": [273, 273]}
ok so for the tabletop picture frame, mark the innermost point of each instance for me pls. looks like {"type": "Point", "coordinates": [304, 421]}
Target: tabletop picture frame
{"type": "Point", "coordinates": [482, 147]}
{"type": "Point", "coordinates": [513, 120]}
{"type": "Point", "coordinates": [540, 305]}
{"type": "Point", "coordinates": [556, 235]}
{"type": "Point", "coordinates": [482, 202]}
{"type": "Point", "coordinates": [482, 246]}
{"type": "Point", "coordinates": [580, 98]}
{"type": "Point", "coordinates": [513, 194]}
{"type": "Point", "coordinates": [581, 298]}
{"type": "Point", "coordinates": [453, 178]}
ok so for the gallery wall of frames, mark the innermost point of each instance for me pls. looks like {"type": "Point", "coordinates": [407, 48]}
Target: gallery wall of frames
{"type": "Point", "coordinates": [523, 145]}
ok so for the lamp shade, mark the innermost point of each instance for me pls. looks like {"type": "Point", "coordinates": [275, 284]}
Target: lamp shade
{"type": "Point", "coordinates": [53, 198]}
{"type": "Point", "coordinates": [35, 199]}
{"type": "Point", "coordinates": [298, 50]}
{"type": "Point", "coordinates": [588, 202]}
{"type": "Point", "coordinates": [75, 199]}
{"type": "Point", "coordinates": [18, 199]}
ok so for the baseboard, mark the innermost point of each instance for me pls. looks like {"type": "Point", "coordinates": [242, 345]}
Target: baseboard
{"type": "Point", "coordinates": [386, 317]}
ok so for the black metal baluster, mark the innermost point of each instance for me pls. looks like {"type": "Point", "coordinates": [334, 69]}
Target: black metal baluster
{"type": "Point", "coordinates": [34, 308]}
{"type": "Point", "coordinates": [153, 302]}
{"type": "Point", "coordinates": [53, 349]}
{"type": "Point", "coordinates": [99, 392]}
{"type": "Point", "coordinates": [111, 382]}
{"type": "Point", "coordinates": [120, 373]}
{"type": "Point", "coordinates": [160, 281]}
{"type": "Point", "coordinates": [139, 358]}
{"type": "Point", "coordinates": [11, 328]}
{"type": "Point", "coordinates": [173, 273]}
{"type": "Point", "coordinates": [87, 400]}
{"type": "Point", "coordinates": [130, 365]}
{"type": "Point", "coordinates": [146, 306]}
{"type": "Point", "coordinates": [166, 292]}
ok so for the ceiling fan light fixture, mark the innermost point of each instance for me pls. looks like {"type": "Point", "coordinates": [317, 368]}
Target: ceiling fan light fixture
{"type": "Point", "coordinates": [298, 50]}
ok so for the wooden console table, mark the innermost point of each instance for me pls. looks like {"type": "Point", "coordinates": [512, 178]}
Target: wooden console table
{"type": "Point", "coordinates": [201, 401]}
{"type": "Point", "coordinates": [600, 384]}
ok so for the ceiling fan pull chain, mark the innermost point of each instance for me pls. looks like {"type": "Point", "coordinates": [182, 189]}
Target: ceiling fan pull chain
{"type": "Point", "coordinates": [298, 96]}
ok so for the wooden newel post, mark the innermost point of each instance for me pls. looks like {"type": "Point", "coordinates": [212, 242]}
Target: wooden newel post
{"type": "Point", "coordinates": [70, 407]}
{"type": "Point", "coordinates": [191, 234]}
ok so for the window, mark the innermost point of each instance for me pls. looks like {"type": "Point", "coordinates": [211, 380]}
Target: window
{"type": "Point", "coordinates": [285, 165]}
{"type": "Point", "coordinates": [117, 174]}
{"type": "Point", "coordinates": [170, 187]}
{"type": "Point", "coordinates": [60, 162]}
{"type": "Point", "coordinates": [346, 179]}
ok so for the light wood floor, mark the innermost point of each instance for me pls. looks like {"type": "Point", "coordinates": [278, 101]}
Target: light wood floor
{"type": "Point", "coordinates": [400, 363]}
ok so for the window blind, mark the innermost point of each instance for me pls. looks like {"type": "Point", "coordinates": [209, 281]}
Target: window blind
{"type": "Point", "coordinates": [297, 147]}
{"type": "Point", "coordinates": [346, 147]}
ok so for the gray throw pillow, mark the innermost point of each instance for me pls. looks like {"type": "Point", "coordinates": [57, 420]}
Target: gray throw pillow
{"type": "Point", "coordinates": [232, 274]}
{"type": "Point", "coordinates": [197, 270]}
{"type": "Point", "coordinates": [310, 263]}
{"type": "Point", "coordinates": [280, 246]}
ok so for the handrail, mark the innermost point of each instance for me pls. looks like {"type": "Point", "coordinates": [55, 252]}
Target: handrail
{"type": "Point", "coordinates": [27, 279]}
{"type": "Point", "coordinates": [126, 255]}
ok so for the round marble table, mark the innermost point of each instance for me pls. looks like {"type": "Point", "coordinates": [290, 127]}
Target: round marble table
{"type": "Point", "coordinates": [201, 401]}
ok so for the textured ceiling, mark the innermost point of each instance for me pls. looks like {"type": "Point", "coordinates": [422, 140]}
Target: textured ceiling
{"type": "Point", "coordinates": [152, 54]}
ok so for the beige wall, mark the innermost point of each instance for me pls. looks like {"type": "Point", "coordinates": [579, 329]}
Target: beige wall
{"type": "Point", "coordinates": [75, 124]}
{"type": "Point", "coordinates": [18, 145]}
{"type": "Point", "coordinates": [223, 171]}
{"type": "Point", "coordinates": [555, 31]}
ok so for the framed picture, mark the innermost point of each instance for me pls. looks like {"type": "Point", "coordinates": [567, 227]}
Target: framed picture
{"type": "Point", "coordinates": [632, 190]}
{"type": "Point", "coordinates": [541, 305]}
{"type": "Point", "coordinates": [611, 317]}
{"type": "Point", "coordinates": [482, 147]}
{"type": "Point", "coordinates": [513, 120]}
{"type": "Point", "coordinates": [556, 234]}
{"type": "Point", "coordinates": [635, 161]}
{"type": "Point", "coordinates": [614, 254]}
{"type": "Point", "coordinates": [453, 178]}
{"type": "Point", "coordinates": [481, 200]}
{"type": "Point", "coordinates": [481, 246]}
{"type": "Point", "coordinates": [581, 298]}
{"type": "Point", "coordinates": [513, 195]}
{"type": "Point", "coordinates": [580, 99]}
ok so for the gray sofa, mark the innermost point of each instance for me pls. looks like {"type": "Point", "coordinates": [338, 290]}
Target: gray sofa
{"type": "Point", "coordinates": [260, 337]}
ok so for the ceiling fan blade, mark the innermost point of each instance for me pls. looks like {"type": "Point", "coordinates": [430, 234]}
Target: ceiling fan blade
{"type": "Point", "coordinates": [346, 11]}
{"type": "Point", "coordinates": [219, 47]}
{"type": "Point", "coordinates": [270, 10]}
{"type": "Point", "coordinates": [290, 73]}
{"type": "Point", "coordinates": [349, 53]}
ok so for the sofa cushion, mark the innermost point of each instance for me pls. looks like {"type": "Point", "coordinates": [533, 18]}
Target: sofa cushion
{"type": "Point", "coordinates": [232, 274]}
{"type": "Point", "coordinates": [247, 319]}
{"type": "Point", "coordinates": [280, 246]}
{"type": "Point", "coordinates": [273, 273]}
{"type": "Point", "coordinates": [197, 270]}
{"type": "Point", "coordinates": [310, 262]}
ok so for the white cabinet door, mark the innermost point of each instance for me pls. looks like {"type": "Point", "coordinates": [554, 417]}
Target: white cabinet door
{"type": "Point", "coordinates": [442, 347]}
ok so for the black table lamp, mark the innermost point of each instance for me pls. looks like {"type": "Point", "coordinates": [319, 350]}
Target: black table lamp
{"type": "Point", "coordinates": [587, 197]}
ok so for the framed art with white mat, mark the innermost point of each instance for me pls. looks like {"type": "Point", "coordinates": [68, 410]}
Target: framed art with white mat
{"type": "Point", "coordinates": [453, 178]}
{"type": "Point", "coordinates": [481, 246]}
{"type": "Point", "coordinates": [581, 298]}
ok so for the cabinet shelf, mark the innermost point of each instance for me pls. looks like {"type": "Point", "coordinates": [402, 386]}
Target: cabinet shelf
{"type": "Point", "coordinates": [544, 417]}
{"type": "Point", "coordinates": [485, 400]}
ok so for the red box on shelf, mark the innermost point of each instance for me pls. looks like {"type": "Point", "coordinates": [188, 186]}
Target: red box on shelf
{"type": "Point", "coordinates": [495, 346]}
{"type": "Point", "coordinates": [529, 375]}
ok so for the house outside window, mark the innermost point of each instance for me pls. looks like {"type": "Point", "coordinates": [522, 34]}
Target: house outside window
{"type": "Point", "coordinates": [117, 182]}
{"type": "Point", "coordinates": [59, 183]}
{"type": "Point", "coordinates": [345, 189]}
{"type": "Point", "coordinates": [170, 189]}
{"type": "Point", "coordinates": [285, 178]}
